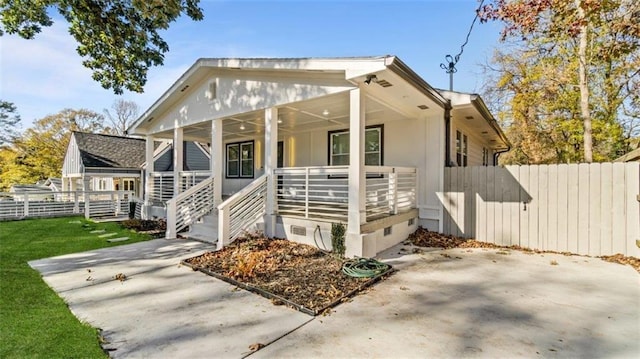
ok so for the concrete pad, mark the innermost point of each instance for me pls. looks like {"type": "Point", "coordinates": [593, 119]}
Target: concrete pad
{"type": "Point", "coordinates": [98, 231]}
{"type": "Point", "coordinates": [163, 309]}
{"type": "Point", "coordinates": [480, 303]}
{"type": "Point", "coordinates": [119, 239]}
{"type": "Point", "coordinates": [106, 235]}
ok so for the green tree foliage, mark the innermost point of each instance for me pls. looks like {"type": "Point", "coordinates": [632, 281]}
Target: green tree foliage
{"type": "Point", "coordinates": [39, 152]}
{"type": "Point", "coordinates": [118, 39]}
{"type": "Point", "coordinates": [9, 122]}
{"type": "Point", "coordinates": [560, 87]}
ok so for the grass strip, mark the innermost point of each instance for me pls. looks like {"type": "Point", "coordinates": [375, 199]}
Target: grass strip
{"type": "Point", "coordinates": [34, 321]}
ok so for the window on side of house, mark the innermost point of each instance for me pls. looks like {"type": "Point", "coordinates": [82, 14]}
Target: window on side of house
{"type": "Point", "coordinates": [373, 145]}
{"type": "Point", "coordinates": [462, 145]}
{"type": "Point", "coordinates": [240, 160]}
{"type": "Point", "coordinates": [485, 156]}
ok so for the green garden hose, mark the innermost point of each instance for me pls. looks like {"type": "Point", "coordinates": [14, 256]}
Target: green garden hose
{"type": "Point", "coordinates": [364, 268]}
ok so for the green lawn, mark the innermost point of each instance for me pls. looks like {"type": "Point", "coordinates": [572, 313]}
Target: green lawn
{"type": "Point", "coordinates": [34, 321]}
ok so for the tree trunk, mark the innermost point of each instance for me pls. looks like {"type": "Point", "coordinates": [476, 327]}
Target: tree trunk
{"type": "Point", "coordinates": [584, 89]}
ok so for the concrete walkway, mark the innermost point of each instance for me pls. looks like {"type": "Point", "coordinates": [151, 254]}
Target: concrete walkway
{"type": "Point", "coordinates": [446, 304]}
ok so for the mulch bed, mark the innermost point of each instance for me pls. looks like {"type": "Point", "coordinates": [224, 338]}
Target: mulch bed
{"type": "Point", "coordinates": [288, 273]}
{"type": "Point", "coordinates": [424, 238]}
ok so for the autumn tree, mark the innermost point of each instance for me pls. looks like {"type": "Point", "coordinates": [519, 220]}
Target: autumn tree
{"type": "Point", "coordinates": [9, 122]}
{"type": "Point", "coordinates": [39, 152]}
{"type": "Point", "coordinates": [574, 73]}
{"type": "Point", "coordinates": [118, 39]}
{"type": "Point", "coordinates": [122, 114]}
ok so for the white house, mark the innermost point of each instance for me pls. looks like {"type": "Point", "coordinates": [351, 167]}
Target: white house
{"type": "Point", "coordinates": [300, 143]}
{"type": "Point", "coordinates": [101, 162]}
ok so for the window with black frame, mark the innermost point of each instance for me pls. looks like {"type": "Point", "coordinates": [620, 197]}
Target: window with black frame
{"type": "Point", "coordinates": [373, 145]}
{"type": "Point", "coordinates": [239, 162]}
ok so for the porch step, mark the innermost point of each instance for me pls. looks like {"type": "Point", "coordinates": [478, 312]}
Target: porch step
{"type": "Point", "coordinates": [204, 232]}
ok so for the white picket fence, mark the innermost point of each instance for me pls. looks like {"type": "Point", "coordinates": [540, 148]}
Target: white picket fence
{"type": "Point", "coordinates": [591, 209]}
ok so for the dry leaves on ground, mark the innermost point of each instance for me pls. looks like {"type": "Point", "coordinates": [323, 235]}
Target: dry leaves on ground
{"type": "Point", "coordinates": [425, 238]}
{"type": "Point", "coordinates": [296, 272]}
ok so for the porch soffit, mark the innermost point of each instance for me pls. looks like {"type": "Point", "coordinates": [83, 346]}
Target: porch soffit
{"type": "Point", "coordinates": [470, 120]}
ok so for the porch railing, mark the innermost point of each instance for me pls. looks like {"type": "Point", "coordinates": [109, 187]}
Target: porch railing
{"type": "Point", "coordinates": [189, 179]}
{"type": "Point", "coordinates": [313, 192]}
{"type": "Point", "coordinates": [390, 190]}
{"type": "Point", "coordinates": [162, 188]}
{"type": "Point", "coordinates": [322, 192]}
{"type": "Point", "coordinates": [189, 206]}
{"type": "Point", "coordinates": [241, 211]}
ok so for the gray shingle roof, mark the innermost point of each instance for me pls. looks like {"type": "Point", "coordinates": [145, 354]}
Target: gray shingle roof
{"type": "Point", "coordinates": [98, 150]}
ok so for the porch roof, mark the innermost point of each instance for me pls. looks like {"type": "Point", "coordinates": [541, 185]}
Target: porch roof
{"type": "Point", "coordinates": [352, 71]}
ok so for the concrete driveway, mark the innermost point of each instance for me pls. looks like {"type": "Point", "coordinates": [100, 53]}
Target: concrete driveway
{"type": "Point", "coordinates": [445, 304]}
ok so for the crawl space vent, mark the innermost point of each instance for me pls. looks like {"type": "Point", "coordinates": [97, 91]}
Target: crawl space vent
{"type": "Point", "coordinates": [299, 231]}
{"type": "Point", "coordinates": [384, 83]}
{"type": "Point", "coordinates": [387, 231]}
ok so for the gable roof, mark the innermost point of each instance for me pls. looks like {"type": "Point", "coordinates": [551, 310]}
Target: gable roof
{"type": "Point", "coordinates": [353, 69]}
{"type": "Point", "coordinates": [105, 151]}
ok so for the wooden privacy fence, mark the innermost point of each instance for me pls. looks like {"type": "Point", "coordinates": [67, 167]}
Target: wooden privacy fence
{"type": "Point", "coordinates": [590, 209]}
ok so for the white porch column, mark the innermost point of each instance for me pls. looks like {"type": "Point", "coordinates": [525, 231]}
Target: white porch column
{"type": "Point", "coordinates": [178, 155]}
{"type": "Point", "coordinates": [357, 176]}
{"type": "Point", "coordinates": [270, 163]}
{"type": "Point", "coordinates": [217, 159]}
{"type": "Point", "coordinates": [148, 175]}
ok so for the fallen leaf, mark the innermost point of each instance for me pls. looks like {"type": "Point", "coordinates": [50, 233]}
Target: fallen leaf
{"type": "Point", "coordinates": [256, 346]}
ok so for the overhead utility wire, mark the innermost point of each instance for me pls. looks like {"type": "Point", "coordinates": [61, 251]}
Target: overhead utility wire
{"type": "Point", "coordinates": [450, 67]}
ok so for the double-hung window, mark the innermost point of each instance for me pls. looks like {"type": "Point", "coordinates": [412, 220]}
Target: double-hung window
{"type": "Point", "coordinates": [240, 160]}
{"type": "Point", "coordinates": [339, 147]}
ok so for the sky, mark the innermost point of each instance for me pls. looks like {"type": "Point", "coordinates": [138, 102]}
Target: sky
{"type": "Point", "coordinates": [45, 75]}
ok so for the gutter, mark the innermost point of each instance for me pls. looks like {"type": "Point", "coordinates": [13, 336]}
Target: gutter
{"type": "Point", "coordinates": [477, 102]}
{"type": "Point", "coordinates": [401, 69]}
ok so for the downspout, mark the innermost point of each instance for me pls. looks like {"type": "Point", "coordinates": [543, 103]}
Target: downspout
{"type": "Point", "coordinates": [447, 133]}
{"type": "Point", "coordinates": [497, 154]}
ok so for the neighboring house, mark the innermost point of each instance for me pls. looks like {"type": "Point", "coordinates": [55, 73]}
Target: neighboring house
{"type": "Point", "coordinates": [299, 144]}
{"type": "Point", "coordinates": [35, 192]}
{"type": "Point", "coordinates": [99, 162]}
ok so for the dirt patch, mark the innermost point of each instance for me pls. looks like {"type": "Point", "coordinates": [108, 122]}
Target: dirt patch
{"type": "Point", "coordinates": [424, 238]}
{"type": "Point", "coordinates": [287, 272]}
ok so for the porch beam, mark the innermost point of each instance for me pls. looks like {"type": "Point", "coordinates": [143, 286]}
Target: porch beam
{"type": "Point", "coordinates": [178, 155]}
{"type": "Point", "coordinates": [270, 163]}
{"type": "Point", "coordinates": [357, 175]}
{"type": "Point", "coordinates": [217, 159]}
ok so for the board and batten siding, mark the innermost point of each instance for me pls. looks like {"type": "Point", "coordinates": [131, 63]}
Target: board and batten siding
{"type": "Point", "coordinates": [590, 209]}
{"type": "Point", "coordinates": [72, 164]}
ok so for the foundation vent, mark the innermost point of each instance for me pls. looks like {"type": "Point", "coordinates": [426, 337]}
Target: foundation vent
{"type": "Point", "coordinates": [387, 231]}
{"type": "Point", "coordinates": [411, 222]}
{"type": "Point", "coordinates": [298, 230]}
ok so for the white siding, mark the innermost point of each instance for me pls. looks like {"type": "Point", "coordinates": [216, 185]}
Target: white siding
{"type": "Point", "coordinates": [71, 165]}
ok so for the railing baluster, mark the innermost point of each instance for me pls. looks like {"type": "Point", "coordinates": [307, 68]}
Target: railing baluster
{"type": "Point", "coordinates": [306, 192]}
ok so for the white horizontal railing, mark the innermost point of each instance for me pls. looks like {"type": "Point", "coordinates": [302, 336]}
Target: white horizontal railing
{"type": "Point", "coordinates": [322, 192]}
{"type": "Point", "coordinates": [313, 192]}
{"type": "Point", "coordinates": [390, 190]}
{"type": "Point", "coordinates": [161, 186]}
{"type": "Point", "coordinates": [99, 204]}
{"type": "Point", "coordinates": [189, 179]}
{"type": "Point", "coordinates": [241, 211]}
{"type": "Point", "coordinates": [93, 204]}
{"type": "Point", "coordinates": [189, 206]}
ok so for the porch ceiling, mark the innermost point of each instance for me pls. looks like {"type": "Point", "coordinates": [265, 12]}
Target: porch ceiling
{"type": "Point", "coordinates": [325, 112]}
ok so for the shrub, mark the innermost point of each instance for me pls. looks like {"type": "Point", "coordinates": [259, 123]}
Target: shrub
{"type": "Point", "coordinates": [338, 238]}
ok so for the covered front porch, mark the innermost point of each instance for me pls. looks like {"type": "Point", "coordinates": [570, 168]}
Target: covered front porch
{"type": "Point", "coordinates": [293, 170]}
{"type": "Point", "coordinates": [299, 144]}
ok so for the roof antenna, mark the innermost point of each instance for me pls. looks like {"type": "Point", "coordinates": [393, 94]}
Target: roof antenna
{"type": "Point", "coordinates": [450, 67]}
